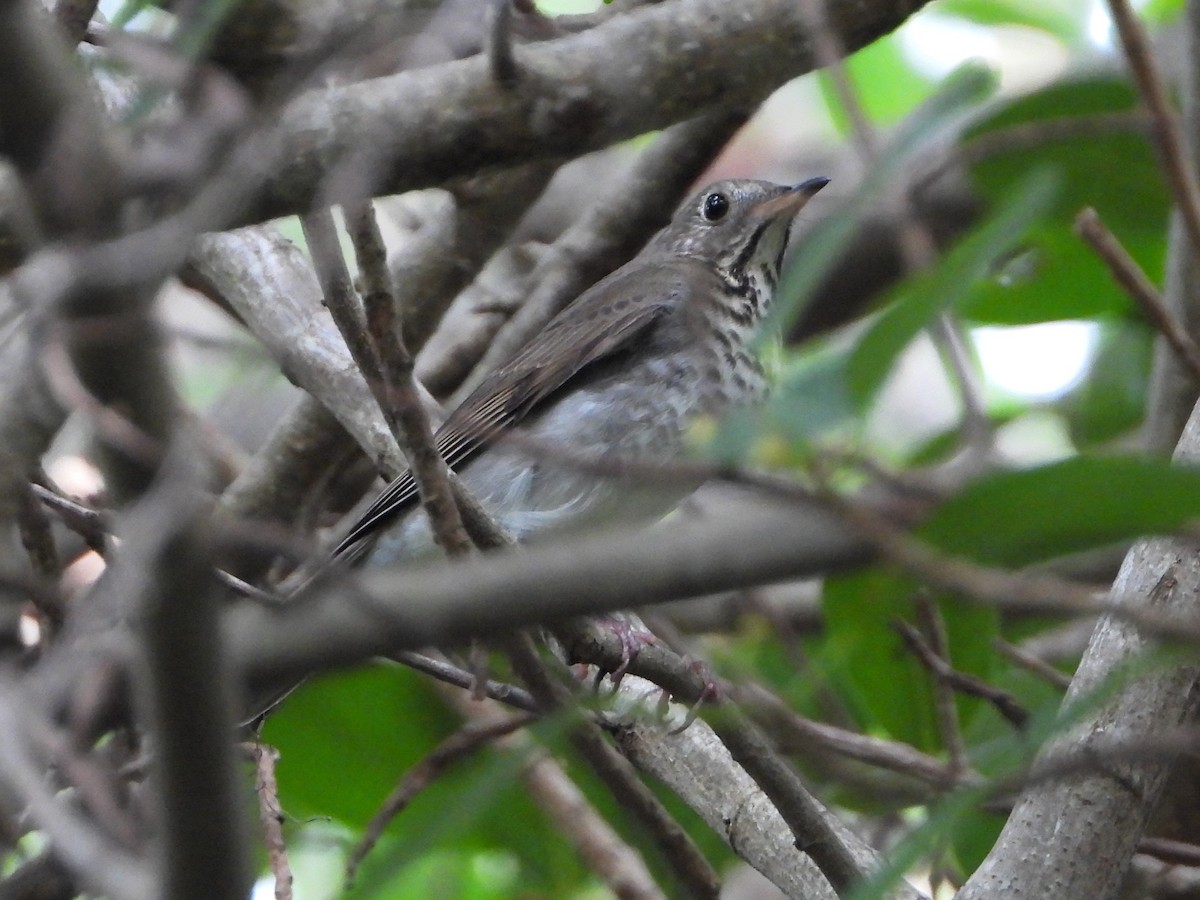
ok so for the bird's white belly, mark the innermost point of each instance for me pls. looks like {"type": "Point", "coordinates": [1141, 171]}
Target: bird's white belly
{"type": "Point", "coordinates": [531, 493]}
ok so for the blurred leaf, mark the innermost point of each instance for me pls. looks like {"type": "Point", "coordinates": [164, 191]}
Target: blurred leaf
{"type": "Point", "coordinates": [1103, 166]}
{"type": "Point", "coordinates": [943, 444]}
{"type": "Point", "coordinates": [1018, 518]}
{"type": "Point", "coordinates": [813, 397]}
{"type": "Point", "coordinates": [1160, 12]}
{"type": "Point", "coordinates": [1066, 25]}
{"type": "Point", "coordinates": [1010, 519]}
{"type": "Point", "coordinates": [886, 86]}
{"type": "Point", "coordinates": [1111, 400]}
{"type": "Point", "coordinates": [920, 300]}
{"type": "Point", "coordinates": [346, 740]}
{"type": "Point", "coordinates": [964, 88]}
{"type": "Point", "coordinates": [368, 726]}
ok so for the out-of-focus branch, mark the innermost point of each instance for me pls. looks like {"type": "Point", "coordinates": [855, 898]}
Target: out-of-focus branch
{"type": "Point", "coordinates": [357, 618]}
{"type": "Point", "coordinates": [95, 859]}
{"type": "Point", "coordinates": [635, 73]}
{"type": "Point", "coordinates": [187, 689]}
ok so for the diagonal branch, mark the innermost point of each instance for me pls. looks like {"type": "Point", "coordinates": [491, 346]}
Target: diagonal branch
{"type": "Point", "coordinates": [633, 74]}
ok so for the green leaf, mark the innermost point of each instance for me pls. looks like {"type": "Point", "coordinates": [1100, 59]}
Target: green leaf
{"type": "Point", "coordinates": [960, 91]}
{"type": "Point", "coordinates": [1053, 18]}
{"type": "Point", "coordinates": [812, 398]}
{"type": "Point", "coordinates": [888, 690]}
{"type": "Point", "coordinates": [1161, 12]}
{"type": "Point", "coordinates": [1019, 518]}
{"type": "Point", "coordinates": [884, 83]}
{"type": "Point", "coordinates": [1111, 400]}
{"type": "Point", "coordinates": [343, 723]}
{"type": "Point", "coordinates": [922, 299]}
{"type": "Point", "coordinates": [1008, 519]}
{"type": "Point", "coordinates": [1103, 162]}
{"type": "Point", "coordinates": [346, 740]}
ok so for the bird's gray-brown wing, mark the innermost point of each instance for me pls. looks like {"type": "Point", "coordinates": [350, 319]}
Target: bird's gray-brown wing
{"type": "Point", "coordinates": [593, 328]}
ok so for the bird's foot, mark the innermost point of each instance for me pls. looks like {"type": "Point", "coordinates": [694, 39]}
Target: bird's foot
{"type": "Point", "coordinates": [709, 693]}
{"type": "Point", "coordinates": [633, 635]}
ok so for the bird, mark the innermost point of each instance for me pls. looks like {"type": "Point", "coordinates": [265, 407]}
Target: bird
{"type": "Point", "coordinates": [620, 374]}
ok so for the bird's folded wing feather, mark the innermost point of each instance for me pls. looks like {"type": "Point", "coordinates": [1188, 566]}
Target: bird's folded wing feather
{"type": "Point", "coordinates": [581, 336]}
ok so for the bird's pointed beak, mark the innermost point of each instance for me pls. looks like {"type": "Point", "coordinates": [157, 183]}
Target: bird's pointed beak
{"type": "Point", "coordinates": [792, 200]}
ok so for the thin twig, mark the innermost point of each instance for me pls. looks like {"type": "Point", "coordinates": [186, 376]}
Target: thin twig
{"type": "Point", "coordinates": [933, 629]}
{"type": "Point", "coordinates": [1026, 592]}
{"type": "Point", "coordinates": [98, 863]}
{"type": "Point", "coordinates": [501, 59]}
{"type": "Point", "coordinates": [615, 862]}
{"type": "Point", "coordinates": [1129, 275]}
{"type": "Point", "coordinates": [90, 524]}
{"type": "Point", "coordinates": [459, 745]}
{"type": "Point", "coordinates": [688, 864]}
{"type": "Point", "coordinates": [320, 231]}
{"type": "Point", "coordinates": [798, 731]}
{"type": "Point", "coordinates": [397, 392]}
{"type": "Point", "coordinates": [509, 694]}
{"type": "Point", "coordinates": [1179, 172]}
{"type": "Point", "coordinates": [270, 815]}
{"type": "Point", "coordinates": [1175, 853]}
{"type": "Point", "coordinates": [1031, 663]}
{"type": "Point", "coordinates": [1005, 703]}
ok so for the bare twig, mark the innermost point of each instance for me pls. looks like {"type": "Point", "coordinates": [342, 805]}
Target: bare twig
{"type": "Point", "coordinates": [1179, 172]}
{"type": "Point", "coordinates": [1129, 275]}
{"type": "Point", "coordinates": [459, 745]}
{"type": "Point", "coordinates": [90, 524]}
{"type": "Point", "coordinates": [508, 694]}
{"type": "Point", "coordinates": [932, 635]}
{"type": "Point", "coordinates": [396, 389]}
{"type": "Point", "coordinates": [804, 735]}
{"type": "Point", "coordinates": [503, 62]}
{"type": "Point", "coordinates": [1005, 703]}
{"type": "Point", "coordinates": [589, 93]}
{"type": "Point", "coordinates": [92, 857]}
{"type": "Point", "coordinates": [676, 848]}
{"type": "Point", "coordinates": [1176, 853]}
{"type": "Point", "coordinates": [1031, 663]}
{"type": "Point", "coordinates": [270, 816]}
{"type": "Point", "coordinates": [617, 864]}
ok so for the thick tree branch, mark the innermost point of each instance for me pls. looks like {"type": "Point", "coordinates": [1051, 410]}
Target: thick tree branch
{"type": "Point", "coordinates": [635, 73]}
{"type": "Point", "coordinates": [376, 612]}
{"type": "Point", "coordinates": [1099, 816]}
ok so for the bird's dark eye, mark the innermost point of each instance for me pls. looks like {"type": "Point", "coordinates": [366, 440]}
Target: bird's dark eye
{"type": "Point", "coordinates": [714, 208]}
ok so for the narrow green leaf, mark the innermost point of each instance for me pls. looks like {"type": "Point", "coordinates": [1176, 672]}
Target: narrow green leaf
{"type": "Point", "coordinates": [922, 299]}
{"type": "Point", "coordinates": [1111, 400]}
{"type": "Point", "coordinates": [962, 90]}
{"type": "Point", "coordinates": [1049, 17]}
{"type": "Point", "coordinates": [1018, 518]}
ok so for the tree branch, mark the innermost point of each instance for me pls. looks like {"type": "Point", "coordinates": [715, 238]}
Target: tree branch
{"type": "Point", "coordinates": [633, 74]}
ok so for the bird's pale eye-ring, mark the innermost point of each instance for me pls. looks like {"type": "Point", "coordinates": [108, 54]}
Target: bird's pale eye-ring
{"type": "Point", "coordinates": [715, 207]}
